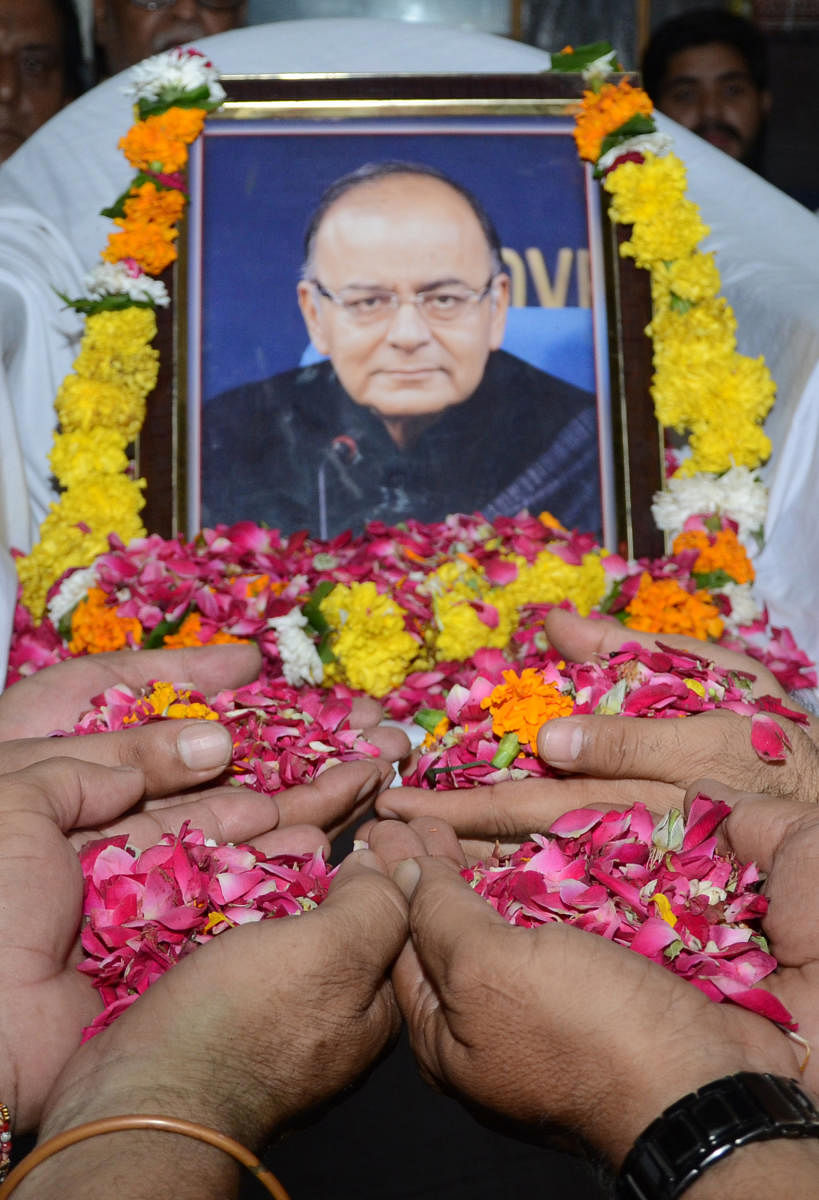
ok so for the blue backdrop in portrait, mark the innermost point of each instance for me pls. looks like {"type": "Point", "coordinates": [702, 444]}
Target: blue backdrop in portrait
{"type": "Point", "coordinates": [261, 180]}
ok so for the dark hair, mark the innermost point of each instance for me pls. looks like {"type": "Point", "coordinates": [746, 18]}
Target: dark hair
{"type": "Point", "coordinates": [75, 77]}
{"type": "Point", "coordinates": [701, 27]}
{"type": "Point", "coordinates": [371, 173]}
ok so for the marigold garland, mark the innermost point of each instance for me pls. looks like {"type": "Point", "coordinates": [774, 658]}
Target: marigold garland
{"type": "Point", "coordinates": [702, 386]}
{"type": "Point", "coordinates": [101, 407]}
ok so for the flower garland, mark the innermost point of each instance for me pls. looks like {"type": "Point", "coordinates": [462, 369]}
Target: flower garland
{"type": "Point", "coordinates": [702, 386]}
{"type": "Point", "coordinates": [101, 407]}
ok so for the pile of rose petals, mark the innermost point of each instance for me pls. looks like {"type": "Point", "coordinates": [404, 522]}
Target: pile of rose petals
{"type": "Point", "coordinates": [282, 735]}
{"type": "Point", "coordinates": [143, 912]}
{"type": "Point", "coordinates": [660, 889]}
{"type": "Point", "coordinates": [663, 890]}
{"type": "Point", "coordinates": [636, 681]}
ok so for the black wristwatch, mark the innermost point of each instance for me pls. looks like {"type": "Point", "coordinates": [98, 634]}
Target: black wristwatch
{"type": "Point", "coordinates": [707, 1125]}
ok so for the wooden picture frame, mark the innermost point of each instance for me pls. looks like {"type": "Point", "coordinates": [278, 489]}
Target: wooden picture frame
{"type": "Point", "coordinates": [490, 133]}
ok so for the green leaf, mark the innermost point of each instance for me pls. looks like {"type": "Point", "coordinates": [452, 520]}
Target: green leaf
{"type": "Point", "coordinates": [608, 600]}
{"type": "Point", "coordinates": [580, 57]}
{"type": "Point", "coordinates": [173, 98]}
{"type": "Point", "coordinates": [114, 303]}
{"type": "Point", "coordinates": [157, 636]}
{"type": "Point", "coordinates": [507, 751]}
{"type": "Point", "coordinates": [429, 718]}
{"type": "Point", "coordinates": [633, 126]}
{"type": "Point", "coordinates": [714, 580]}
{"type": "Point", "coordinates": [315, 618]}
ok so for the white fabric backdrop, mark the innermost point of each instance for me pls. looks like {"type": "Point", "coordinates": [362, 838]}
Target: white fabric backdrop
{"type": "Point", "coordinates": [767, 251]}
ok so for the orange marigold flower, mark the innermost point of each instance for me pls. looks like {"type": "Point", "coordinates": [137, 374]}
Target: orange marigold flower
{"type": "Point", "coordinates": [150, 203]}
{"type": "Point", "coordinates": [662, 606]}
{"type": "Point", "coordinates": [603, 112]}
{"type": "Point", "coordinates": [720, 551]}
{"type": "Point", "coordinates": [190, 633]}
{"type": "Point", "coordinates": [96, 627]}
{"type": "Point", "coordinates": [150, 245]}
{"type": "Point", "coordinates": [165, 701]}
{"type": "Point", "coordinates": [522, 703]}
{"type": "Point", "coordinates": [160, 143]}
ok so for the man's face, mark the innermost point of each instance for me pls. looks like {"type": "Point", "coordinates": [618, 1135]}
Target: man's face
{"type": "Point", "coordinates": [408, 235]}
{"type": "Point", "coordinates": [31, 69]}
{"type": "Point", "coordinates": [128, 32]}
{"type": "Point", "coordinates": [709, 90]}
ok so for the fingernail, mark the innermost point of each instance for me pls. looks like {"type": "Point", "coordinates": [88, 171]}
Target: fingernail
{"type": "Point", "coordinates": [406, 874]}
{"type": "Point", "coordinates": [359, 845]}
{"type": "Point", "coordinates": [205, 745]}
{"type": "Point", "coordinates": [366, 858]}
{"type": "Point", "coordinates": [559, 742]}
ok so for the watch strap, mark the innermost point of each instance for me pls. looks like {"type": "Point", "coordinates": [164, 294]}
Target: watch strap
{"type": "Point", "coordinates": [705, 1126]}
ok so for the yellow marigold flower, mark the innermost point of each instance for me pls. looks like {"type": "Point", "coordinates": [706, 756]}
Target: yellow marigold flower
{"type": "Point", "coordinates": [75, 531]}
{"type": "Point", "coordinates": [713, 448]}
{"type": "Point", "coordinates": [374, 652]}
{"type": "Point", "coordinates": [167, 701]}
{"type": "Point", "coordinates": [604, 112]}
{"type": "Point", "coordinates": [694, 278]}
{"type": "Point", "coordinates": [549, 580]}
{"type": "Point", "coordinates": [96, 627]}
{"type": "Point", "coordinates": [719, 551]}
{"type": "Point", "coordinates": [522, 703]}
{"type": "Point", "coordinates": [642, 191]}
{"type": "Point", "coordinates": [662, 606]}
{"type": "Point", "coordinates": [460, 629]}
{"type": "Point", "coordinates": [86, 404]}
{"type": "Point", "coordinates": [77, 455]}
{"type": "Point", "coordinates": [151, 245]}
{"type": "Point", "coordinates": [159, 143]}
{"type": "Point", "coordinates": [670, 234]}
{"type": "Point", "coordinates": [115, 350]}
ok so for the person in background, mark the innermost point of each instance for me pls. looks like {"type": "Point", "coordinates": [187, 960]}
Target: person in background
{"type": "Point", "coordinates": [126, 31]}
{"type": "Point", "coordinates": [41, 66]}
{"type": "Point", "coordinates": [708, 70]}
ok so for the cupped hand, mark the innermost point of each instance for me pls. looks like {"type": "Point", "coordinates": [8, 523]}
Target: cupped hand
{"type": "Point", "coordinates": [582, 638]}
{"type": "Point", "coordinates": [50, 809]}
{"type": "Point", "coordinates": [57, 696]}
{"type": "Point", "coordinates": [261, 1024]}
{"type": "Point", "coordinates": [559, 1027]}
{"type": "Point", "coordinates": [620, 760]}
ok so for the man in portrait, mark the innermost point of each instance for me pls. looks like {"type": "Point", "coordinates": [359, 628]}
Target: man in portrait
{"type": "Point", "coordinates": [416, 411]}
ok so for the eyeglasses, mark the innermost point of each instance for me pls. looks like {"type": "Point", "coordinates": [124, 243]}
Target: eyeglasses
{"type": "Point", "coordinates": [438, 306]}
{"type": "Point", "coordinates": [158, 5]}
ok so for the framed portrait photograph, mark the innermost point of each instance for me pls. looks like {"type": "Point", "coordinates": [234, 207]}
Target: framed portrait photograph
{"type": "Point", "coordinates": [399, 298]}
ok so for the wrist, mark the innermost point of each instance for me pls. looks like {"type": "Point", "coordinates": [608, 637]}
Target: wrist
{"type": "Point", "coordinates": [642, 1099]}
{"type": "Point", "coordinates": [703, 1130]}
{"type": "Point", "coordinates": [747, 1174]}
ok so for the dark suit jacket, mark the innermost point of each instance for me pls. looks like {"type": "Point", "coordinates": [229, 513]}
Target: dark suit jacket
{"type": "Point", "coordinates": [295, 452]}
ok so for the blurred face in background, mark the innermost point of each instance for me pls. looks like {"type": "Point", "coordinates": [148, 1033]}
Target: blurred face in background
{"type": "Point", "coordinates": [709, 89]}
{"type": "Point", "coordinates": [130, 30]}
{"type": "Point", "coordinates": [32, 79]}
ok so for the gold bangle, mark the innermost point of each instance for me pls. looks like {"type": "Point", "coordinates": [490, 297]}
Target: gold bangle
{"type": "Point", "coordinates": [137, 1121]}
